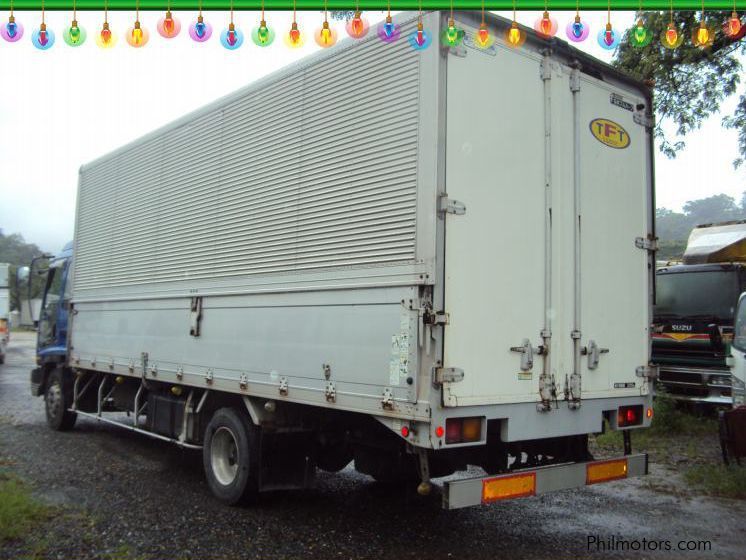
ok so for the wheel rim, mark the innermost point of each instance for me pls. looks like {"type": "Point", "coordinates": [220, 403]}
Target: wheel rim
{"type": "Point", "coordinates": [54, 399]}
{"type": "Point", "coordinates": [224, 456]}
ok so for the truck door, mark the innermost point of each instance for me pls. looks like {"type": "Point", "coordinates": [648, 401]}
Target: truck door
{"type": "Point", "coordinates": [495, 251]}
{"type": "Point", "coordinates": [53, 306]}
{"type": "Point", "coordinates": [614, 210]}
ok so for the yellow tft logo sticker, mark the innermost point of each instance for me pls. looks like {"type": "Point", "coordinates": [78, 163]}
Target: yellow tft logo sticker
{"type": "Point", "coordinates": [610, 133]}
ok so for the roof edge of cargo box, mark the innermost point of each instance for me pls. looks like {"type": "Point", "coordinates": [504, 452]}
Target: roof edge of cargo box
{"type": "Point", "coordinates": [719, 242]}
{"type": "Point", "coordinates": [586, 63]}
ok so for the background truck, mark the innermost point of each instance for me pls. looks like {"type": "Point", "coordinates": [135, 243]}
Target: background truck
{"type": "Point", "coordinates": [4, 309]}
{"type": "Point", "coordinates": [386, 272]}
{"type": "Point", "coordinates": [694, 314]}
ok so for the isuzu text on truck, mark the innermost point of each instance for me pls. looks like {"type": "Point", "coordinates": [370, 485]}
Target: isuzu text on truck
{"type": "Point", "coordinates": [387, 272]}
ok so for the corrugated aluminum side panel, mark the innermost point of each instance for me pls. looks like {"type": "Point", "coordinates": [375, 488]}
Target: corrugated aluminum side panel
{"type": "Point", "coordinates": [316, 170]}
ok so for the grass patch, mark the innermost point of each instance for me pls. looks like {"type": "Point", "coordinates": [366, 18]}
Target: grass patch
{"type": "Point", "coordinates": [123, 552]}
{"type": "Point", "coordinates": [719, 480]}
{"type": "Point", "coordinates": [19, 511]}
{"type": "Point", "coordinates": [670, 419]}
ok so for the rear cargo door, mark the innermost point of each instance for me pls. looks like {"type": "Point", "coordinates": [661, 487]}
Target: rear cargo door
{"type": "Point", "coordinates": [614, 210]}
{"type": "Point", "coordinates": [494, 252]}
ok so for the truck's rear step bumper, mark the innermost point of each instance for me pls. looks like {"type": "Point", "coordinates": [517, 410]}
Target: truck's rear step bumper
{"type": "Point", "coordinates": [531, 482]}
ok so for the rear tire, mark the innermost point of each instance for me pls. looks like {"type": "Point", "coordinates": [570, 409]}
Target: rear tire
{"type": "Point", "coordinates": [58, 397]}
{"type": "Point", "coordinates": [230, 457]}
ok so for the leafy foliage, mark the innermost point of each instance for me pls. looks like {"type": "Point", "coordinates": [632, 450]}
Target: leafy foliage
{"type": "Point", "coordinates": [690, 82]}
{"type": "Point", "coordinates": [15, 251]}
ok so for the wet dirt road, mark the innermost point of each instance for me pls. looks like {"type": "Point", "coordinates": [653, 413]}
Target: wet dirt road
{"type": "Point", "coordinates": [149, 499]}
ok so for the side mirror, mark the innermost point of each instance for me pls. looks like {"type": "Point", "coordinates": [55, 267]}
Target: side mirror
{"type": "Point", "coordinates": [716, 338]}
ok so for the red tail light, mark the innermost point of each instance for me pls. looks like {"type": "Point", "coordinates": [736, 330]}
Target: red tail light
{"type": "Point", "coordinates": [453, 430]}
{"type": "Point", "coordinates": [463, 430]}
{"type": "Point", "coordinates": [629, 416]}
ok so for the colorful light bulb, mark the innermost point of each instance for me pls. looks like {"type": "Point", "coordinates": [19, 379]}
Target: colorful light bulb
{"type": "Point", "coordinates": [105, 38]}
{"type": "Point", "coordinates": [703, 36]}
{"type": "Point", "coordinates": [546, 26]}
{"type": "Point", "coordinates": [732, 27]}
{"type": "Point", "coordinates": [12, 31]}
{"type": "Point", "coordinates": [387, 31]}
{"type": "Point", "coordinates": [640, 36]}
{"type": "Point", "coordinates": [419, 39]}
{"type": "Point", "coordinates": [608, 38]}
{"type": "Point", "coordinates": [200, 30]}
{"type": "Point", "coordinates": [262, 35]}
{"type": "Point", "coordinates": [137, 36]}
{"type": "Point", "coordinates": [670, 38]}
{"type": "Point", "coordinates": [43, 38]}
{"type": "Point", "coordinates": [358, 26]}
{"type": "Point", "coordinates": [326, 36]}
{"type": "Point", "coordinates": [74, 35]}
{"type": "Point", "coordinates": [577, 31]}
{"type": "Point", "coordinates": [169, 26]}
{"type": "Point", "coordinates": [483, 39]}
{"type": "Point", "coordinates": [671, 35]}
{"type": "Point", "coordinates": [231, 37]}
{"type": "Point", "coordinates": [294, 38]}
{"type": "Point", "coordinates": [515, 36]}
{"type": "Point", "coordinates": [452, 35]}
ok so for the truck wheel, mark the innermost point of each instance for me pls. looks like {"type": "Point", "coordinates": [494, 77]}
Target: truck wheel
{"type": "Point", "coordinates": [58, 397]}
{"type": "Point", "coordinates": [231, 457]}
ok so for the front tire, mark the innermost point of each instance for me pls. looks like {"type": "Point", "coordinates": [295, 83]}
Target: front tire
{"type": "Point", "coordinates": [58, 397]}
{"type": "Point", "coordinates": [230, 457]}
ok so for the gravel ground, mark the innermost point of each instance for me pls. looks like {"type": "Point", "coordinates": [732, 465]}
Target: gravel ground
{"type": "Point", "coordinates": [121, 495]}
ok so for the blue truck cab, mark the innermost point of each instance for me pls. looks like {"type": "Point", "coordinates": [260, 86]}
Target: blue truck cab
{"type": "Point", "coordinates": [51, 342]}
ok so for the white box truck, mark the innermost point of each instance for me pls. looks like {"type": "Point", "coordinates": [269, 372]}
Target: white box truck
{"type": "Point", "coordinates": [413, 260]}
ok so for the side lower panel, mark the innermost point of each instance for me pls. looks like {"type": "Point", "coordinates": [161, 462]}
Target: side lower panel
{"type": "Point", "coordinates": [348, 349]}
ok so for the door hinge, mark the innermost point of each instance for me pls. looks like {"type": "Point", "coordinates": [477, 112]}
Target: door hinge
{"type": "Point", "coordinates": [546, 68]}
{"type": "Point", "coordinates": [647, 243]}
{"type": "Point", "coordinates": [330, 392]}
{"type": "Point", "coordinates": [527, 354]}
{"type": "Point", "coordinates": [447, 375]}
{"type": "Point", "coordinates": [575, 80]}
{"type": "Point", "coordinates": [195, 316]}
{"type": "Point", "coordinates": [430, 317]}
{"type": "Point", "coordinates": [450, 206]}
{"type": "Point", "coordinates": [649, 371]}
{"type": "Point", "coordinates": [593, 351]}
{"type": "Point", "coordinates": [387, 401]}
{"type": "Point", "coordinates": [648, 121]}
{"type": "Point", "coordinates": [547, 392]}
{"type": "Point", "coordinates": [459, 51]}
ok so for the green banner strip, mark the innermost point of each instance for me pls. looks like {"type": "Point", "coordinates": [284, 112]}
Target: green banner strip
{"type": "Point", "coordinates": [285, 5]}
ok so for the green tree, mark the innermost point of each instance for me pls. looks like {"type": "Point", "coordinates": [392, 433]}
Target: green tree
{"type": "Point", "coordinates": [689, 83]}
{"type": "Point", "coordinates": [717, 208]}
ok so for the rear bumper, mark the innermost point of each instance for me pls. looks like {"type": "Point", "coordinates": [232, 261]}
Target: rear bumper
{"type": "Point", "coordinates": [532, 482]}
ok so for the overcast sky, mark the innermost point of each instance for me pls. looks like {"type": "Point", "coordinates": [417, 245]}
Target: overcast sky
{"type": "Point", "coordinates": [64, 107]}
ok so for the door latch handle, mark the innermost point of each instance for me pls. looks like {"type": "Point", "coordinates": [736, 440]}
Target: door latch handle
{"type": "Point", "coordinates": [527, 354]}
{"type": "Point", "coordinates": [593, 351]}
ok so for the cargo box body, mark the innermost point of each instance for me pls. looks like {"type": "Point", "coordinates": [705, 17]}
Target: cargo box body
{"type": "Point", "coordinates": [412, 235]}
